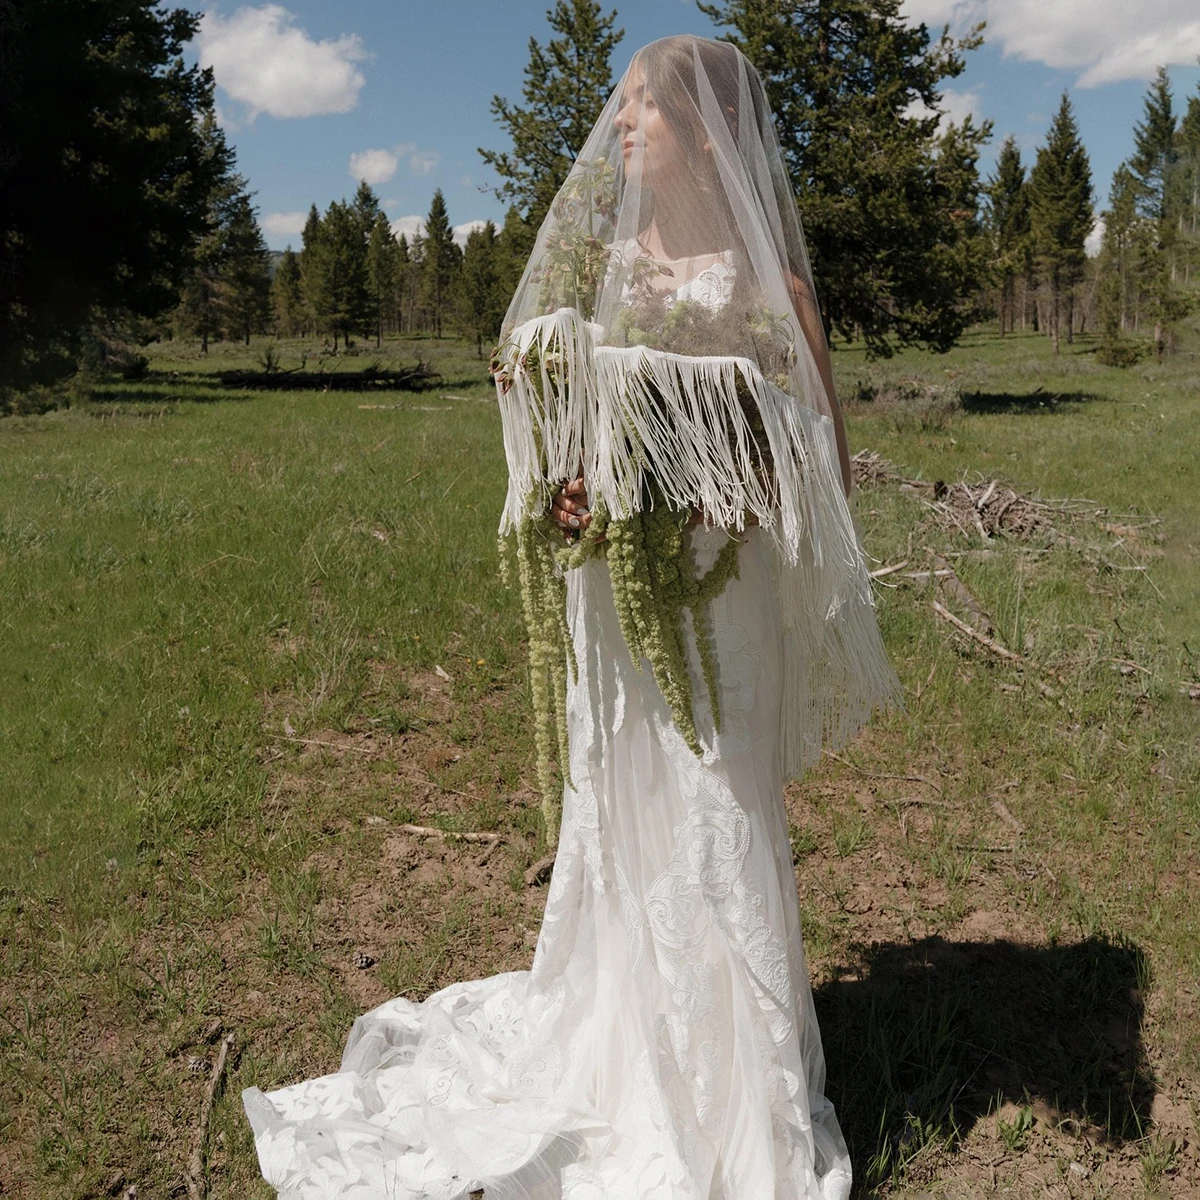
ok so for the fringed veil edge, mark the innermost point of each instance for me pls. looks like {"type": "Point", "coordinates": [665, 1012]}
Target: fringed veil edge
{"type": "Point", "coordinates": [567, 402]}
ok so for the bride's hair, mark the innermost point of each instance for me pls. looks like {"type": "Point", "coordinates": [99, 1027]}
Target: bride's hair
{"type": "Point", "coordinates": [692, 79]}
{"type": "Point", "coordinates": [669, 67]}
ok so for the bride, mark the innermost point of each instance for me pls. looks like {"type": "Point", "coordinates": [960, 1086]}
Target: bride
{"type": "Point", "coordinates": [664, 346]}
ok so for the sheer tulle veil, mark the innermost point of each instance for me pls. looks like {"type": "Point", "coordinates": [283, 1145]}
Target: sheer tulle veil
{"type": "Point", "coordinates": [629, 381]}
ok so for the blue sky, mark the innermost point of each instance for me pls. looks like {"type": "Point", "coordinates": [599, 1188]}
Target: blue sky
{"type": "Point", "coordinates": [314, 95]}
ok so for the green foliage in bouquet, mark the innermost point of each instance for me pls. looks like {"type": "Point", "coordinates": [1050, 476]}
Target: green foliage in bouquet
{"type": "Point", "coordinates": [576, 255]}
{"type": "Point", "coordinates": [654, 580]}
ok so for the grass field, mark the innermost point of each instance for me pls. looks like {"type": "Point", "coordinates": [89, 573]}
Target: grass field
{"type": "Point", "coordinates": [244, 637]}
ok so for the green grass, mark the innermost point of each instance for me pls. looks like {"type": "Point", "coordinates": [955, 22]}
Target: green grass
{"type": "Point", "coordinates": [220, 615]}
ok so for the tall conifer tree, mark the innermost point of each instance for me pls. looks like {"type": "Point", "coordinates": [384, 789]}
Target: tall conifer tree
{"type": "Point", "coordinates": [1153, 163]}
{"type": "Point", "coordinates": [1121, 254]}
{"type": "Point", "coordinates": [200, 308]}
{"type": "Point", "coordinates": [884, 230]}
{"type": "Point", "coordinates": [405, 273]}
{"type": "Point", "coordinates": [1154, 146]}
{"type": "Point", "coordinates": [566, 84]}
{"type": "Point", "coordinates": [1189, 190]}
{"type": "Point", "coordinates": [1061, 216]}
{"type": "Point", "coordinates": [1008, 224]}
{"type": "Point", "coordinates": [481, 300]}
{"type": "Point", "coordinates": [314, 269]}
{"type": "Point", "coordinates": [287, 295]}
{"type": "Point", "coordinates": [442, 257]}
{"type": "Point", "coordinates": [246, 278]}
{"type": "Point", "coordinates": [106, 172]}
{"type": "Point", "coordinates": [347, 308]}
{"type": "Point", "coordinates": [383, 273]}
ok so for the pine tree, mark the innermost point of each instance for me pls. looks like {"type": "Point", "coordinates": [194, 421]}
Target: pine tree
{"type": "Point", "coordinates": [1189, 191]}
{"type": "Point", "coordinates": [314, 270]}
{"type": "Point", "coordinates": [442, 258]}
{"type": "Point", "coordinates": [567, 82]}
{"type": "Point", "coordinates": [1154, 147]}
{"type": "Point", "coordinates": [514, 244]}
{"type": "Point", "coordinates": [418, 313]}
{"type": "Point", "coordinates": [1153, 166]}
{"type": "Point", "coordinates": [199, 312]}
{"type": "Point", "coordinates": [885, 241]}
{"type": "Point", "coordinates": [1061, 216]}
{"type": "Point", "coordinates": [246, 277]}
{"type": "Point", "coordinates": [106, 173]}
{"type": "Point", "coordinates": [383, 273]}
{"type": "Point", "coordinates": [366, 211]}
{"type": "Point", "coordinates": [347, 308]}
{"type": "Point", "coordinates": [404, 284]}
{"type": "Point", "coordinates": [287, 295]}
{"type": "Point", "coordinates": [1122, 253]}
{"type": "Point", "coordinates": [481, 301]}
{"type": "Point", "coordinates": [1008, 225]}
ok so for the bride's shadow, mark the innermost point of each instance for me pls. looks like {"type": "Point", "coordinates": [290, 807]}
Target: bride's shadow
{"type": "Point", "coordinates": [926, 1037]}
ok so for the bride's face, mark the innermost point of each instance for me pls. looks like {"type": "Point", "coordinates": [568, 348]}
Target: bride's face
{"type": "Point", "coordinates": [650, 149]}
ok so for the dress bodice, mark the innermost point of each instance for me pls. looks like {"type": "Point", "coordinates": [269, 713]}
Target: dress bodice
{"type": "Point", "coordinates": [711, 287]}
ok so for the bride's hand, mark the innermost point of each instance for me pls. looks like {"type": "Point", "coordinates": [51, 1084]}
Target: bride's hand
{"type": "Point", "coordinates": [570, 509]}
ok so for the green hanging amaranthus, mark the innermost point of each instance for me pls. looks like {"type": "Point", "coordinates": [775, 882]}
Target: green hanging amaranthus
{"type": "Point", "coordinates": [654, 581]}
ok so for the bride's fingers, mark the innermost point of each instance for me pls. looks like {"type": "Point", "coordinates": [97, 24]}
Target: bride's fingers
{"type": "Point", "coordinates": [569, 512]}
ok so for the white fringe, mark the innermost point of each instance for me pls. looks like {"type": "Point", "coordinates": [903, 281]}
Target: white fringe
{"type": "Point", "coordinates": [620, 413]}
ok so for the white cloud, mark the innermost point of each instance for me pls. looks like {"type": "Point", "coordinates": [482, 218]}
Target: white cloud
{"type": "Point", "coordinates": [373, 166]}
{"type": "Point", "coordinates": [956, 107]}
{"type": "Point", "coordinates": [423, 161]}
{"type": "Point", "coordinates": [464, 231]}
{"type": "Point", "coordinates": [284, 224]}
{"type": "Point", "coordinates": [223, 119]}
{"type": "Point", "coordinates": [1091, 244]}
{"type": "Point", "coordinates": [936, 13]}
{"type": "Point", "coordinates": [1105, 40]}
{"type": "Point", "coordinates": [1139, 58]}
{"type": "Point", "coordinates": [261, 58]}
{"type": "Point", "coordinates": [410, 227]}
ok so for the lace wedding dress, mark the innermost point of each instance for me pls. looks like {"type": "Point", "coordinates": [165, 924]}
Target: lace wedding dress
{"type": "Point", "coordinates": [663, 1045]}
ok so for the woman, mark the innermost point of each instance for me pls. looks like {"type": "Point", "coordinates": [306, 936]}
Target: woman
{"type": "Point", "coordinates": [663, 1046]}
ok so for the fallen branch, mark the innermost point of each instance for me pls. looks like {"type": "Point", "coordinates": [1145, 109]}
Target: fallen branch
{"type": "Point", "coordinates": [316, 742]}
{"type": "Point", "coordinates": [974, 634]}
{"type": "Point", "coordinates": [449, 835]}
{"type": "Point", "coordinates": [1002, 811]}
{"type": "Point", "coordinates": [880, 775]}
{"type": "Point", "coordinates": [540, 871]}
{"type": "Point", "coordinates": [955, 587]}
{"type": "Point", "coordinates": [197, 1176]}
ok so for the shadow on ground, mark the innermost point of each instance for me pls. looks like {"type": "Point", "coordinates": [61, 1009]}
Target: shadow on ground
{"type": "Point", "coordinates": [1037, 401]}
{"type": "Point", "coordinates": [924, 1038]}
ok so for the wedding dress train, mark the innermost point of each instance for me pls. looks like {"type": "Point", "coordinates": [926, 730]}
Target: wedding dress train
{"type": "Point", "coordinates": [663, 1045]}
